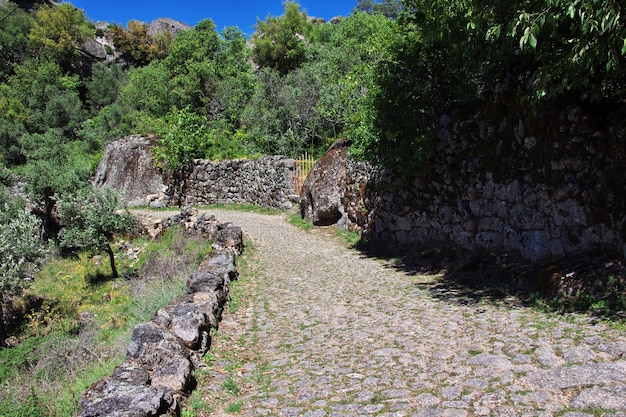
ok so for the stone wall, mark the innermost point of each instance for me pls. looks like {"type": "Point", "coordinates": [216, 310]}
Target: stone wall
{"type": "Point", "coordinates": [545, 187]}
{"type": "Point", "coordinates": [266, 181]}
{"type": "Point", "coordinates": [128, 167]}
{"type": "Point", "coordinates": [164, 353]}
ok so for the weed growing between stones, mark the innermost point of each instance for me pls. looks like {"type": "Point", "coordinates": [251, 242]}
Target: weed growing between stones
{"type": "Point", "coordinates": [233, 364]}
{"type": "Point", "coordinates": [234, 407]}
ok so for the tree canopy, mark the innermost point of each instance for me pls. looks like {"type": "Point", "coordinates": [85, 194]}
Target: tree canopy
{"type": "Point", "coordinates": [378, 77]}
{"type": "Point", "coordinates": [90, 220]}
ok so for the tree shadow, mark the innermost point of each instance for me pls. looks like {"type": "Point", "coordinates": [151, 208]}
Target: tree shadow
{"type": "Point", "coordinates": [592, 281]}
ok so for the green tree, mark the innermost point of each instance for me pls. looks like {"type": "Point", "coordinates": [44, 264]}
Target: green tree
{"type": "Point", "coordinates": [42, 97]}
{"type": "Point", "coordinates": [21, 253]}
{"type": "Point", "coordinates": [388, 8]}
{"type": "Point", "coordinates": [193, 68]}
{"type": "Point", "coordinates": [14, 29]}
{"type": "Point", "coordinates": [55, 167]}
{"type": "Point", "coordinates": [90, 220]}
{"type": "Point", "coordinates": [280, 42]}
{"type": "Point", "coordinates": [137, 46]}
{"type": "Point", "coordinates": [236, 77]}
{"type": "Point", "coordinates": [147, 90]}
{"type": "Point", "coordinates": [58, 33]}
{"type": "Point", "coordinates": [188, 136]}
{"type": "Point", "coordinates": [104, 85]}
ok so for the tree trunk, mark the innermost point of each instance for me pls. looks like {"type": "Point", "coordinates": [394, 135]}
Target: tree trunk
{"type": "Point", "coordinates": [3, 331]}
{"type": "Point", "coordinates": [112, 259]}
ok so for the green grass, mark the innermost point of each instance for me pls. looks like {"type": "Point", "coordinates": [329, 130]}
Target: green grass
{"type": "Point", "coordinates": [60, 353]}
{"type": "Point", "coordinates": [237, 287]}
{"type": "Point", "coordinates": [349, 237]}
{"type": "Point", "coordinates": [234, 407]}
{"type": "Point", "coordinates": [299, 222]}
{"type": "Point", "coordinates": [231, 387]}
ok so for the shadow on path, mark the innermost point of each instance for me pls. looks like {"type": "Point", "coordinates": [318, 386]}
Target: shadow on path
{"type": "Point", "coordinates": [593, 281]}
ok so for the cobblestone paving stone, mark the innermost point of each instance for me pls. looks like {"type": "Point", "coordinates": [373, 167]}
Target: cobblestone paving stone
{"type": "Point", "coordinates": [330, 333]}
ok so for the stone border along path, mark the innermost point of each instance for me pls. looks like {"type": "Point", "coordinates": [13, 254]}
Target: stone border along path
{"type": "Point", "coordinates": [323, 331]}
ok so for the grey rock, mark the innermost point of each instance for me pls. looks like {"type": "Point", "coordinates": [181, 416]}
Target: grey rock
{"type": "Point", "coordinates": [547, 358]}
{"type": "Point", "coordinates": [609, 398]}
{"type": "Point", "coordinates": [492, 361]}
{"type": "Point", "coordinates": [580, 375]}
{"type": "Point", "coordinates": [127, 166]}
{"type": "Point", "coordinates": [126, 393]}
{"type": "Point", "coordinates": [190, 322]}
{"type": "Point", "coordinates": [165, 24]}
{"type": "Point", "coordinates": [579, 354]}
{"type": "Point", "coordinates": [320, 197]}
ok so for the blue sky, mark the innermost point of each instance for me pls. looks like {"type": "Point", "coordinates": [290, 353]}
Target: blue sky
{"type": "Point", "coordinates": [240, 13]}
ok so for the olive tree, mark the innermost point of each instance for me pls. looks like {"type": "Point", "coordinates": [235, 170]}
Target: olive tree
{"type": "Point", "coordinates": [21, 253]}
{"type": "Point", "coordinates": [90, 220]}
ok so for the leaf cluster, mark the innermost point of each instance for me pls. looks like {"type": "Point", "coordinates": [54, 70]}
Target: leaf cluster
{"type": "Point", "coordinates": [90, 220]}
{"type": "Point", "coordinates": [443, 52]}
{"type": "Point", "coordinates": [280, 42]}
{"type": "Point", "coordinates": [137, 46]}
{"type": "Point", "coordinates": [21, 250]}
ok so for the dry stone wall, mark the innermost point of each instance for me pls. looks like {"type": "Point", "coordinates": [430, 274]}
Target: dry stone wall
{"type": "Point", "coordinates": [164, 352]}
{"type": "Point", "coordinates": [128, 166]}
{"type": "Point", "coordinates": [266, 181]}
{"type": "Point", "coordinates": [545, 187]}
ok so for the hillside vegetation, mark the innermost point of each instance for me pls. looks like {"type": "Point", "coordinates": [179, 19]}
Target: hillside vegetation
{"type": "Point", "coordinates": [379, 77]}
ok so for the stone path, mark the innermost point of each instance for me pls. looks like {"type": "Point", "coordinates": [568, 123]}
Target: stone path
{"type": "Point", "coordinates": [323, 331]}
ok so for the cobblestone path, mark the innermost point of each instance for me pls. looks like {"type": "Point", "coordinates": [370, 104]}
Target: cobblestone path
{"type": "Point", "coordinates": [323, 331]}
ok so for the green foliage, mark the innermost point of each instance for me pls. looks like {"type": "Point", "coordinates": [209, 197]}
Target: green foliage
{"type": "Point", "coordinates": [21, 250]}
{"type": "Point", "coordinates": [388, 8]}
{"type": "Point", "coordinates": [281, 114]}
{"type": "Point", "coordinates": [13, 37]}
{"type": "Point", "coordinates": [54, 168]}
{"type": "Point", "coordinates": [138, 47]}
{"type": "Point", "coordinates": [148, 90]}
{"type": "Point", "coordinates": [279, 42]}
{"type": "Point", "coordinates": [21, 253]}
{"type": "Point", "coordinates": [188, 136]}
{"type": "Point", "coordinates": [58, 31]}
{"type": "Point", "coordinates": [90, 220]}
{"type": "Point", "coordinates": [49, 370]}
{"type": "Point", "coordinates": [110, 123]}
{"type": "Point", "coordinates": [103, 87]}
{"type": "Point", "coordinates": [554, 48]}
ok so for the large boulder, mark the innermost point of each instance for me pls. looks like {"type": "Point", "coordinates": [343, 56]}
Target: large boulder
{"type": "Point", "coordinates": [128, 166]}
{"type": "Point", "coordinates": [165, 24]}
{"type": "Point", "coordinates": [320, 197]}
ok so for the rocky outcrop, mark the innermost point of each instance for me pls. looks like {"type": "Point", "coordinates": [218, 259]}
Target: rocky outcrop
{"type": "Point", "coordinates": [321, 194]}
{"type": "Point", "coordinates": [95, 48]}
{"type": "Point", "coordinates": [163, 353]}
{"type": "Point", "coordinates": [128, 166]}
{"type": "Point", "coordinates": [166, 25]}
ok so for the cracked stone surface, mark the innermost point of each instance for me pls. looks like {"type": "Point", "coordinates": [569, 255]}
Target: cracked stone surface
{"type": "Point", "coordinates": [327, 332]}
